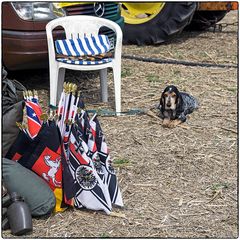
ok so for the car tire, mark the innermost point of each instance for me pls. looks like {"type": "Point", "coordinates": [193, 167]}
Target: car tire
{"type": "Point", "coordinates": [169, 22]}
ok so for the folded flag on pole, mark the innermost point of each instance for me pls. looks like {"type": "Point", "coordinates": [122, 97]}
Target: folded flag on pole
{"type": "Point", "coordinates": [108, 170]}
{"type": "Point", "coordinates": [83, 122]}
{"type": "Point", "coordinates": [21, 145]}
{"type": "Point", "coordinates": [34, 123]}
{"type": "Point", "coordinates": [34, 111]}
{"type": "Point", "coordinates": [89, 137]}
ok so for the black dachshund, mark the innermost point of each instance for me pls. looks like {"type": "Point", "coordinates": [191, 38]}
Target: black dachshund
{"type": "Point", "coordinates": [175, 105]}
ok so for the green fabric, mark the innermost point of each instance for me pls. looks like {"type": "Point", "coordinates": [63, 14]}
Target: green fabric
{"type": "Point", "coordinates": [36, 192]}
{"type": "Point", "coordinates": [10, 130]}
{"type": "Point", "coordinates": [12, 110]}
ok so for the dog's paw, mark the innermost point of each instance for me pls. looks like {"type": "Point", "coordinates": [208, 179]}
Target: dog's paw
{"type": "Point", "coordinates": [171, 125]}
{"type": "Point", "coordinates": [174, 123]}
{"type": "Point", "coordinates": [166, 122]}
{"type": "Point", "coordinates": [165, 125]}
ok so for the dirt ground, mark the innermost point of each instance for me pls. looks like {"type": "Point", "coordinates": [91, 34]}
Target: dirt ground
{"type": "Point", "coordinates": [176, 183]}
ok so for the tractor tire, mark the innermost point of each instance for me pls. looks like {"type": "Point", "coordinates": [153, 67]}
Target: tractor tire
{"type": "Point", "coordinates": [203, 20]}
{"type": "Point", "coordinates": [157, 25]}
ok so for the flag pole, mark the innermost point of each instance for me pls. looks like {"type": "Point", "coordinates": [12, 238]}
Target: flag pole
{"type": "Point", "coordinates": [65, 109]}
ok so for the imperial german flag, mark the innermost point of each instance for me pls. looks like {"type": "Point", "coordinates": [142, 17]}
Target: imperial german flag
{"type": "Point", "coordinates": [107, 168]}
{"type": "Point", "coordinates": [89, 138]}
{"type": "Point", "coordinates": [91, 192]}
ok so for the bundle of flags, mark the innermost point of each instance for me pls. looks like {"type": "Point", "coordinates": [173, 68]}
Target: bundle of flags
{"type": "Point", "coordinates": [69, 151]}
{"type": "Point", "coordinates": [38, 147]}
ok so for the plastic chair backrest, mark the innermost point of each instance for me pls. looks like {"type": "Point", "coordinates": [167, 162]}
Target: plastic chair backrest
{"type": "Point", "coordinates": [80, 26]}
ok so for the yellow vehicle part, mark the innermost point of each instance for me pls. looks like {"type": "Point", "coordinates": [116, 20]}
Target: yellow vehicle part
{"type": "Point", "coordinates": [138, 13]}
{"type": "Point", "coordinates": [66, 4]}
{"type": "Point", "coordinates": [217, 6]}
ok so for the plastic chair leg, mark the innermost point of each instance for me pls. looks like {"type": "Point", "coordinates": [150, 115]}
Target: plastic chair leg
{"type": "Point", "coordinates": [61, 76]}
{"type": "Point", "coordinates": [117, 88]}
{"type": "Point", "coordinates": [56, 84]}
{"type": "Point", "coordinates": [104, 85]}
{"type": "Point", "coordinates": [53, 85]}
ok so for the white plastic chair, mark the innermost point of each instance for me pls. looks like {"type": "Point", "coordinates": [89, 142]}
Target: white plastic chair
{"type": "Point", "coordinates": [78, 26]}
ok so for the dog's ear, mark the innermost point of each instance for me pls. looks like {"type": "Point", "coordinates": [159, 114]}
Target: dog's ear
{"type": "Point", "coordinates": [162, 101]}
{"type": "Point", "coordinates": [178, 100]}
{"type": "Point", "coordinates": [178, 96]}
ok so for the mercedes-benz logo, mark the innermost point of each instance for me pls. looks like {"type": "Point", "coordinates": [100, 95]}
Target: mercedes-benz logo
{"type": "Point", "coordinates": [99, 9]}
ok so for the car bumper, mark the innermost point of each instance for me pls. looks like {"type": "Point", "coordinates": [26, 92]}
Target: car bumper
{"type": "Point", "coordinates": [24, 50]}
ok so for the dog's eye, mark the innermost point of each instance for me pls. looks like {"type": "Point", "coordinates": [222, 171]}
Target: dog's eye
{"type": "Point", "coordinates": [165, 94]}
{"type": "Point", "coordinates": [173, 94]}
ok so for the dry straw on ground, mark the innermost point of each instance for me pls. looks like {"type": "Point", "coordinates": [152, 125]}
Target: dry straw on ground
{"type": "Point", "coordinates": [179, 182]}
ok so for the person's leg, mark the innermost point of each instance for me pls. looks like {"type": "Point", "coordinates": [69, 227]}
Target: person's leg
{"type": "Point", "coordinates": [36, 192]}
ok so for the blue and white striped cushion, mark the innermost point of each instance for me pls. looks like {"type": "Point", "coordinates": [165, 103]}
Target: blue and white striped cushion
{"type": "Point", "coordinates": [79, 47]}
{"type": "Point", "coordinates": [84, 62]}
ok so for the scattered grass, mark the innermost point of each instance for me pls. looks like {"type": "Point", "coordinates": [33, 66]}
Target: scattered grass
{"type": "Point", "coordinates": [121, 161]}
{"type": "Point", "coordinates": [126, 72]}
{"type": "Point", "coordinates": [105, 235]}
{"type": "Point", "coordinates": [218, 186]}
{"type": "Point", "coordinates": [174, 81]}
{"type": "Point", "coordinates": [177, 72]}
{"type": "Point", "coordinates": [234, 90]}
{"type": "Point", "coordinates": [179, 55]}
{"type": "Point", "coordinates": [153, 78]}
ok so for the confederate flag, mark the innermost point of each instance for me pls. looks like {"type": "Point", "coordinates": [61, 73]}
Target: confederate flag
{"type": "Point", "coordinates": [33, 117]}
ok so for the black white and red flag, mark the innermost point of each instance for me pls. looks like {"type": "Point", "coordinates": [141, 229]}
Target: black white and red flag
{"type": "Point", "coordinates": [91, 192]}
{"type": "Point", "coordinates": [109, 173]}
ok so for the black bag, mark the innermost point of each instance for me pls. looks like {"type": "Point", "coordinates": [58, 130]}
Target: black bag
{"type": "Point", "coordinates": [12, 110]}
